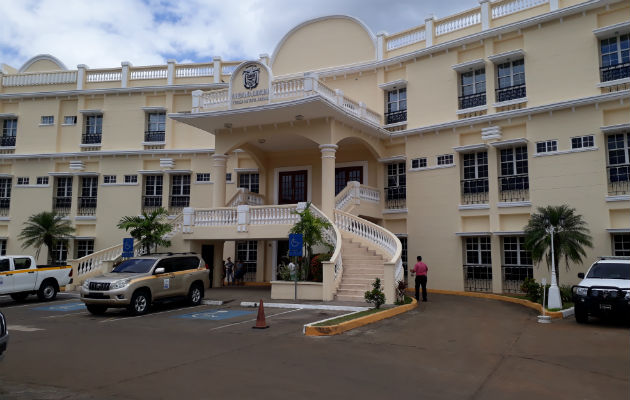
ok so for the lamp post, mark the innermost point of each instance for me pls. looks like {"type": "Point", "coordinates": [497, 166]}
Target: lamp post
{"type": "Point", "coordinates": [554, 300]}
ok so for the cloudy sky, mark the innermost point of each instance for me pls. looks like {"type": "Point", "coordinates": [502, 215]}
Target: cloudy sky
{"type": "Point", "coordinates": [102, 33]}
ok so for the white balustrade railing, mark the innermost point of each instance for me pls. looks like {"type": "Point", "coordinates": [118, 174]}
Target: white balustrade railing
{"type": "Point", "coordinates": [43, 78]}
{"type": "Point", "coordinates": [332, 235]}
{"type": "Point", "coordinates": [326, 92]}
{"type": "Point", "coordinates": [368, 193]}
{"type": "Point", "coordinates": [103, 76]}
{"type": "Point", "coordinates": [272, 215]}
{"type": "Point", "coordinates": [405, 39]}
{"type": "Point", "coordinates": [354, 193]}
{"type": "Point", "coordinates": [244, 196]}
{"type": "Point", "coordinates": [214, 99]}
{"type": "Point", "coordinates": [228, 69]}
{"type": "Point", "coordinates": [149, 73]}
{"type": "Point", "coordinates": [345, 197]}
{"type": "Point", "coordinates": [185, 71]}
{"type": "Point", "coordinates": [215, 217]}
{"type": "Point", "coordinates": [510, 7]}
{"type": "Point", "coordinates": [457, 23]}
{"type": "Point", "coordinates": [288, 88]}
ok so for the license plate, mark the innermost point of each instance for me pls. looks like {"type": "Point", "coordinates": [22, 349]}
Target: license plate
{"type": "Point", "coordinates": [606, 307]}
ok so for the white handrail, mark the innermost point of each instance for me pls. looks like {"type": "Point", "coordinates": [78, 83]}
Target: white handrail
{"type": "Point", "coordinates": [511, 7]}
{"type": "Point", "coordinates": [224, 216]}
{"type": "Point", "coordinates": [40, 78]}
{"type": "Point", "coordinates": [271, 215]}
{"type": "Point", "coordinates": [410, 37]}
{"type": "Point", "coordinates": [354, 193]}
{"type": "Point", "coordinates": [244, 196]}
{"type": "Point", "coordinates": [333, 236]}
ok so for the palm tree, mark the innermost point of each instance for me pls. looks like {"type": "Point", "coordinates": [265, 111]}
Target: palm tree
{"type": "Point", "coordinates": [46, 228]}
{"type": "Point", "coordinates": [148, 228]}
{"type": "Point", "coordinates": [311, 228]}
{"type": "Point", "coordinates": [570, 236]}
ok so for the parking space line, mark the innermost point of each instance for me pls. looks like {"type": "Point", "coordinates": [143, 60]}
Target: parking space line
{"type": "Point", "coordinates": [251, 320]}
{"type": "Point", "coordinates": [114, 319]}
{"type": "Point", "coordinates": [64, 315]}
{"type": "Point", "coordinates": [36, 304]}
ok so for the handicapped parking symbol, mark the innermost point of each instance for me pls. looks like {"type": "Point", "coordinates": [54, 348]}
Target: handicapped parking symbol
{"type": "Point", "coordinates": [62, 307]}
{"type": "Point", "coordinates": [216, 315]}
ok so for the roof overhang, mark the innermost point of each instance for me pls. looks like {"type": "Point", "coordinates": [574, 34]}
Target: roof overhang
{"type": "Point", "coordinates": [309, 108]}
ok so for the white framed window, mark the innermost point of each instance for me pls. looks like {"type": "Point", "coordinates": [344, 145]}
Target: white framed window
{"type": "Point", "coordinates": [582, 142]}
{"type": "Point", "coordinates": [203, 177]}
{"type": "Point", "coordinates": [445, 159]}
{"type": "Point", "coordinates": [9, 132]}
{"type": "Point", "coordinates": [48, 120]}
{"type": "Point", "coordinates": [129, 179]}
{"type": "Point", "coordinates": [615, 57]}
{"type": "Point", "coordinates": [42, 180]}
{"type": "Point", "coordinates": [5, 195]}
{"type": "Point", "coordinates": [249, 182]}
{"type": "Point", "coordinates": [84, 247]}
{"type": "Point", "coordinates": [22, 180]}
{"type": "Point", "coordinates": [472, 88]}
{"type": "Point", "coordinates": [156, 127]}
{"type": "Point", "coordinates": [60, 252]}
{"type": "Point", "coordinates": [547, 146]}
{"type": "Point", "coordinates": [419, 163]}
{"type": "Point", "coordinates": [70, 120]}
{"type": "Point", "coordinates": [109, 179]}
{"type": "Point", "coordinates": [510, 80]}
{"type": "Point", "coordinates": [621, 245]}
{"type": "Point", "coordinates": [396, 106]}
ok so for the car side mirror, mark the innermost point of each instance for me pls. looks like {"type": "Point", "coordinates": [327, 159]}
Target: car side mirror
{"type": "Point", "coordinates": [159, 270]}
{"type": "Point", "coordinates": [581, 275]}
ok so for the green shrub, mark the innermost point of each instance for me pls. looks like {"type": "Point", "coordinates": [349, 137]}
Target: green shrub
{"type": "Point", "coordinates": [401, 286]}
{"type": "Point", "coordinates": [376, 295]}
{"type": "Point", "coordinates": [532, 290]}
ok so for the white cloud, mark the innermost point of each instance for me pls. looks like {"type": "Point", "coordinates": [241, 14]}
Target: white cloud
{"type": "Point", "coordinates": [103, 33]}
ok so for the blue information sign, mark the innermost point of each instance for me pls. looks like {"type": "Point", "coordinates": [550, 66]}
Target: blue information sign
{"type": "Point", "coordinates": [127, 248]}
{"type": "Point", "coordinates": [296, 244]}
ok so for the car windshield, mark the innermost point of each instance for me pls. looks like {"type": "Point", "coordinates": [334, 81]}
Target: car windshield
{"type": "Point", "coordinates": [610, 271]}
{"type": "Point", "coordinates": [135, 265]}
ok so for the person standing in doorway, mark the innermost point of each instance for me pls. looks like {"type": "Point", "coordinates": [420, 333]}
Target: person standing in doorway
{"type": "Point", "coordinates": [229, 271]}
{"type": "Point", "coordinates": [421, 269]}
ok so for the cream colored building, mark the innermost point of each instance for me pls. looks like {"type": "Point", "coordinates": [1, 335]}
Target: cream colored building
{"type": "Point", "coordinates": [438, 141]}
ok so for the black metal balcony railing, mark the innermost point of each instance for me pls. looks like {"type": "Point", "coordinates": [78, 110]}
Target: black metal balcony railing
{"type": "Point", "coordinates": [478, 278]}
{"type": "Point", "coordinates": [5, 202]}
{"type": "Point", "coordinates": [475, 191]}
{"type": "Point", "coordinates": [514, 188]}
{"type": "Point", "coordinates": [176, 203]}
{"type": "Point", "coordinates": [618, 179]}
{"type": "Point", "coordinates": [511, 93]}
{"type": "Point", "coordinates": [396, 197]}
{"type": "Point", "coordinates": [87, 206]}
{"type": "Point", "coordinates": [472, 100]}
{"type": "Point", "coordinates": [7, 141]}
{"type": "Point", "coordinates": [61, 205]}
{"type": "Point", "coordinates": [150, 203]}
{"type": "Point", "coordinates": [394, 117]}
{"type": "Point", "coordinates": [154, 136]}
{"type": "Point", "coordinates": [91, 138]}
{"type": "Point", "coordinates": [614, 72]}
{"type": "Point", "coordinates": [514, 276]}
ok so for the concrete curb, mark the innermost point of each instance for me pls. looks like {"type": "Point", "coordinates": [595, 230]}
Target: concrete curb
{"type": "Point", "coordinates": [304, 306]}
{"type": "Point", "coordinates": [538, 307]}
{"type": "Point", "coordinates": [310, 330]}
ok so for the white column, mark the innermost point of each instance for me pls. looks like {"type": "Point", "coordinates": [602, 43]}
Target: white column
{"type": "Point", "coordinates": [196, 100]}
{"type": "Point", "coordinates": [328, 178]}
{"type": "Point", "coordinates": [217, 69]}
{"type": "Point", "coordinates": [170, 72]}
{"type": "Point", "coordinates": [81, 76]}
{"type": "Point", "coordinates": [429, 31]}
{"type": "Point", "coordinates": [124, 78]}
{"type": "Point", "coordinates": [218, 177]}
{"type": "Point", "coordinates": [264, 58]}
{"type": "Point", "coordinates": [485, 14]}
{"type": "Point", "coordinates": [189, 215]}
{"type": "Point", "coordinates": [553, 5]}
{"type": "Point", "coordinates": [380, 45]}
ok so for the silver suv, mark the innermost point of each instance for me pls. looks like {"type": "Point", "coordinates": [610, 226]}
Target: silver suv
{"type": "Point", "coordinates": [137, 282]}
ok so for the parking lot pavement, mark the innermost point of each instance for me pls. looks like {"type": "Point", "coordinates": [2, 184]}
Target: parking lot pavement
{"type": "Point", "coordinates": [453, 347]}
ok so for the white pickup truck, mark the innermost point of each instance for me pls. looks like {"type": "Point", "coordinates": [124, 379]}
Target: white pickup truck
{"type": "Point", "coordinates": [20, 276]}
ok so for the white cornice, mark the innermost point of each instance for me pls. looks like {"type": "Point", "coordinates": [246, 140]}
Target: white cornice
{"type": "Point", "coordinates": [109, 153]}
{"type": "Point", "coordinates": [470, 148]}
{"type": "Point", "coordinates": [617, 29]}
{"type": "Point", "coordinates": [615, 128]}
{"type": "Point", "coordinates": [471, 234]}
{"type": "Point", "coordinates": [618, 230]}
{"type": "Point", "coordinates": [401, 157]}
{"type": "Point", "coordinates": [507, 56]}
{"type": "Point", "coordinates": [469, 65]}
{"type": "Point", "coordinates": [508, 233]}
{"type": "Point", "coordinates": [509, 143]}
{"type": "Point", "coordinates": [400, 83]}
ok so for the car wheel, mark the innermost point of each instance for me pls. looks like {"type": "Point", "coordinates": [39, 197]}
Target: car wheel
{"type": "Point", "coordinates": [195, 294]}
{"type": "Point", "coordinates": [47, 291]}
{"type": "Point", "coordinates": [581, 316]}
{"type": "Point", "coordinates": [19, 296]}
{"type": "Point", "coordinates": [96, 309]}
{"type": "Point", "coordinates": [140, 303]}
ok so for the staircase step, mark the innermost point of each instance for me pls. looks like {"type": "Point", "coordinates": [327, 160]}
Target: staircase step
{"type": "Point", "coordinates": [363, 261]}
{"type": "Point", "coordinates": [357, 281]}
{"type": "Point", "coordinates": [351, 292]}
{"type": "Point", "coordinates": [350, 298]}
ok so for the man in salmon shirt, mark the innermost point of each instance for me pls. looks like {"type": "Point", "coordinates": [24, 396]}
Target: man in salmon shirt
{"type": "Point", "coordinates": [421, 269]}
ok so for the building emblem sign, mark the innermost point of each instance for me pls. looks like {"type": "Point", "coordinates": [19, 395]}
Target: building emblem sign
{"type": "Point", "coordinates": [250, 85]}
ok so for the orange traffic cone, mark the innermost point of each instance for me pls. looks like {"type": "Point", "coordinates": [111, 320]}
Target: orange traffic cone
{"type": "Point", "coordinates": [260, 319]}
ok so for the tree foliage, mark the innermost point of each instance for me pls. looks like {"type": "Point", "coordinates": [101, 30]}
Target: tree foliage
{"type": "Point", "coordinates": [570, 238]}
{"type": "Point", "coordinates": [45, 228]}
{"type": "Point", "coordinates": [311, 227]}
{"type": "Point", "coordinates": [148, 228]}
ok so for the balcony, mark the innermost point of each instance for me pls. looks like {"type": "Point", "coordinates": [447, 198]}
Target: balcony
{"type": "Point", "coordinates": [514, 276]}
{"type": "Point", "coordinates": [510, 93]}
{"type": "Point", "coordinates": [7, 141]}
{"type": "Point", "coordinates": [472, 100]}
{"type": "Point", "coordinates": [61, 205]}
{"type": "Point", "coordinates": [396, 197]}
{"type": "Point", "coordinates": [4, 206]}
{"type": "Point", "coordinates": [154, 136]}
{"type": "Point", "coordinates": [514, 188]}
{"type": "Point", "coordinates": [614, 72]}
{"type": "Point", "coordinates": [151, 203]}
{"type": "Point", "coordinates": [395, 117]}
{"type": "Point", "coordinates": [91, 138]}
{"type": "Point", "coordinates": [618, 180]}
{"type": "Point", "coordinates": [478, 278]}
{"type": "Point", "coordinates": [475, 191]}
{"type": "Point", "coordinates": [177, 203]}
{"type": "Point", "coordinates": [87, 206]}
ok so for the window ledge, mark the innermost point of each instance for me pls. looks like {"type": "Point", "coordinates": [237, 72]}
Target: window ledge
{"type": "Point", "coordinates": [507, 204]}
{"type": "Point", "coordinates": [472, 109]}
{"type": "Point", "coordinates": [85, 218]}
{"type": "Point", "coordinates": [203, 183]}
{"type": "Point", "coordinates": [395, 211]}
{"type": "Point", "coordinates": [555, 153]}
{"type": "Point", "coordinates": [395, 124]}
{"type": "Point", "coordinates": [622, 197]}
{"type": "Point", "coordinates": [7, 147]}
{"type": "Point", "coordinates": [510, 102]}
{"type": "Point", "coordinates": [84, 146]}
{"type": "Point", "coordinates": [153, 143]}
{"type": "Point", "coordinates": [119, 184]}
{"type": "Point", "coordinates": [32, 186]}
{"type": "Point", "coordinates": [431, 168]}
{"type": "Point", "coordinates": [5, 218]}
{"type": "Point", "coordinates": [613, 83]}
{"type": "Point", "coordinates": [474, 206]}
{"type": "Point", "coordinates": [46, 124]}
{"type": "Point", "coordinates": [68, 124]}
